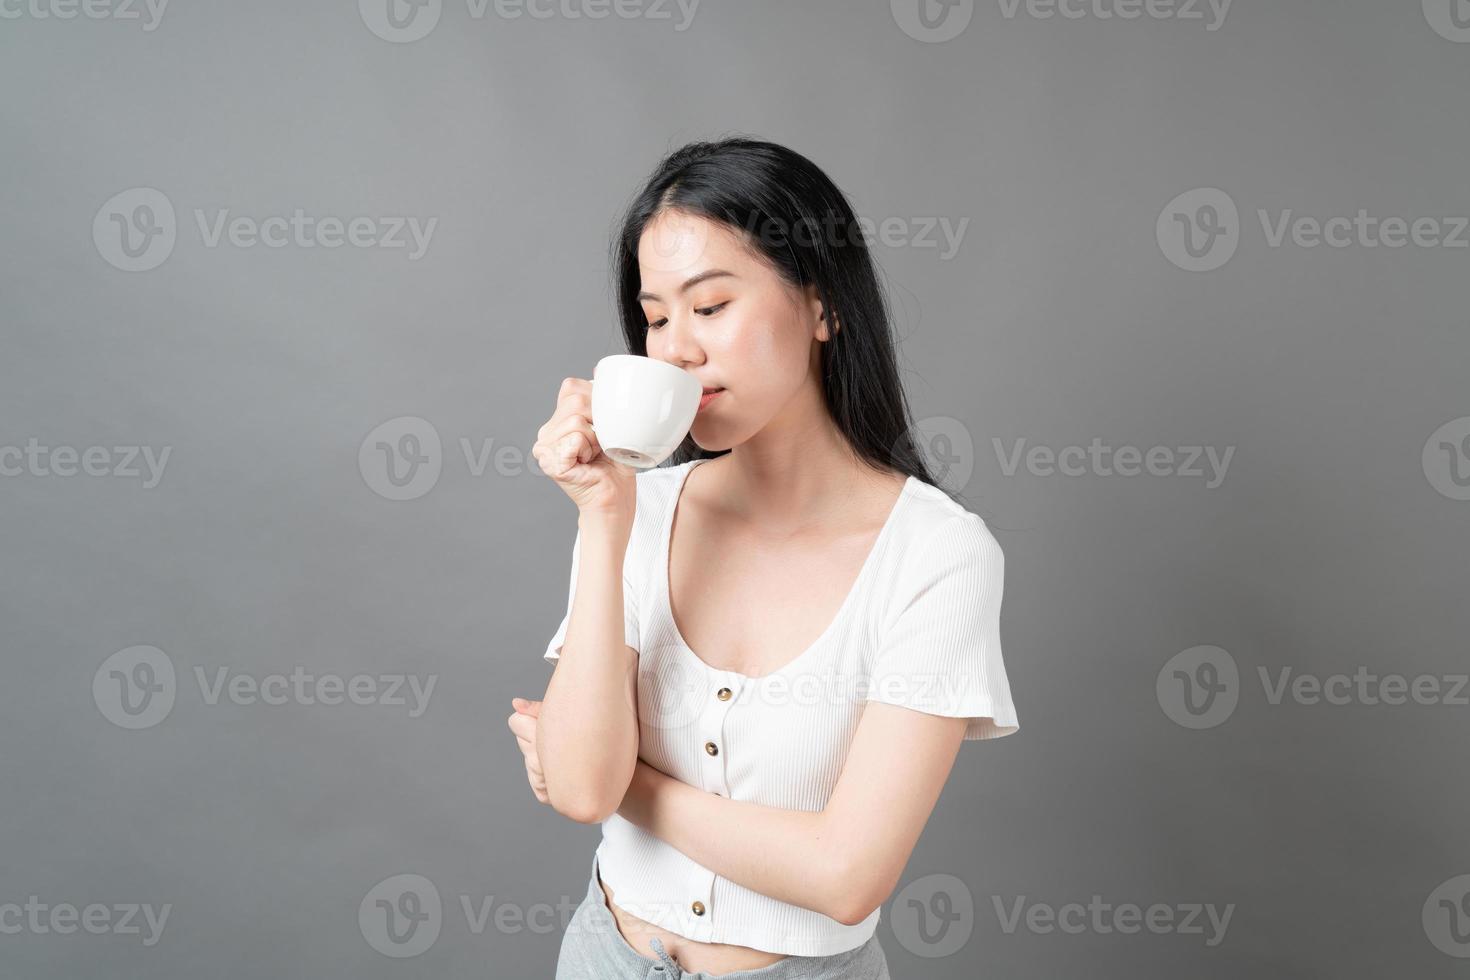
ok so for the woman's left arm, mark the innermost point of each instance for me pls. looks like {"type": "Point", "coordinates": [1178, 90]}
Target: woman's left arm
{"type": "Point", "coordinates": [844, 860]}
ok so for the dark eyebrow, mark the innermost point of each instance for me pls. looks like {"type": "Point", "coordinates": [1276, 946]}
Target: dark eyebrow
{"type": "Point", "coordinates": [690, 283]}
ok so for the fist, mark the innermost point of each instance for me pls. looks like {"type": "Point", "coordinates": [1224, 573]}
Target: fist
{"type": "Point", "coordinates": [522, 723]}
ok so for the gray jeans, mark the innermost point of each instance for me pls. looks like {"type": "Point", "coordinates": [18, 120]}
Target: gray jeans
{"type": "Point", "coordinates": [593, 949]}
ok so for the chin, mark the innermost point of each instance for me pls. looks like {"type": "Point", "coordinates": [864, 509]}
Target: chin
{"type": "Point", "coordinates": [708, 441]}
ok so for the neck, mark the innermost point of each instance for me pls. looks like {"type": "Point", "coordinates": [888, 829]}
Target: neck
{"type": "Point", "coordinates": [789, 475]}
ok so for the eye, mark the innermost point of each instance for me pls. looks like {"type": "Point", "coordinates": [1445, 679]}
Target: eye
{"type": "Point", "coordinates": [703, 311]}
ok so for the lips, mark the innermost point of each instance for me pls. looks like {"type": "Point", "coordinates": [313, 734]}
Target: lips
{"type": "Point", "coordinates": [709, 395]}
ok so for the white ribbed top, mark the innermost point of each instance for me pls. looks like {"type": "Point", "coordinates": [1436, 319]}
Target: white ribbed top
{"type": "Point", "coordinates": [920, 628]}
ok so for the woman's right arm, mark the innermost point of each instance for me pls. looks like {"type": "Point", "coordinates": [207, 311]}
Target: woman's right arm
{"type": "Point", "coordinates": [587, 732]}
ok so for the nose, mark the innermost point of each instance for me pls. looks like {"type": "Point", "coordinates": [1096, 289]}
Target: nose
{"type": "Point", "coordinates": [679, 343]}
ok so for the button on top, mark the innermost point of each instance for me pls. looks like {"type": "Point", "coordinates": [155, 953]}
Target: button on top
{"type": "Point", "coordinates": [711, 748]}
{"type": "Point", "coordinates": [697, 907]}
{"type": "Point", "coordinates": [723, 694]}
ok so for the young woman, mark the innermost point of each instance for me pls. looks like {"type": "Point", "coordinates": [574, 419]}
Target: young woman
{"type": "Point", "coordinates": [776, 642]}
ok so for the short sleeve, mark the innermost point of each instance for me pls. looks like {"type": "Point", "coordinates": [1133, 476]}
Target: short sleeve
{"type": "Point", "coordinates": [939, 643]}
{"type": "Point", "coordinates": [630, 609]}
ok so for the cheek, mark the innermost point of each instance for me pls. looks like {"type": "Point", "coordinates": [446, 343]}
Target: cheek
{"type": "Point", "coordinates": [772, 354]}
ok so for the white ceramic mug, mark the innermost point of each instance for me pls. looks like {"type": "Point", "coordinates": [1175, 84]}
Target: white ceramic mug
{"type": "Point", "coordinates": [642, 408]}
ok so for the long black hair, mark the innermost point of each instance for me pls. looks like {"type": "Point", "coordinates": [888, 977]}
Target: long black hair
{"type": "Point", "coordinates": [795, 217]}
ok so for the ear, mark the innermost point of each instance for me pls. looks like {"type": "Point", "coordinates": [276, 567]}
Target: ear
{"type": "Point", "coordinates": [824, 331]}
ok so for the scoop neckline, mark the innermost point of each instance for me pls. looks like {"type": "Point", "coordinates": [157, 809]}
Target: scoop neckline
{"type": "Point", "coordinates": [665, 592]}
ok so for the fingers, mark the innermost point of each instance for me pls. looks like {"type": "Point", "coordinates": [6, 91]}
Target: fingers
{"type": "Point", "coordinates": [538, 785]}
{"type": "Point", "coordinates": [574, 386]}
{"type": "Point", "coordinates": [555, 459]}
{"type": "Point", "coordinates": [574, 434]}
{"type": "Point", "coordinates": [530, 707]}
{"type": "Point", "coordinates": [523, 725]}
{"type": "Point", "coordinates": [566, 444]}
{"type": "Point", "coordinates": [573, 402]}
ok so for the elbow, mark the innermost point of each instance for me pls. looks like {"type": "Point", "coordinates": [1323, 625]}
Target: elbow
{"type": "Point", "coordinates": [579, 808]}
{"type": "Point", "coordinates": [854, 913]}
{"type": "Point", "coordinates": [587, 815]}
{"type": "Point", "coordinates": [585, 800]}
{"type": "Point", "coordinates": [854, 896]}
{"type": "Point", "coordinates": [581, 812]}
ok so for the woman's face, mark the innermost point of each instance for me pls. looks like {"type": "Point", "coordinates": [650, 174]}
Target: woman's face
{"type": "Point", "coordinates": [720, 313]}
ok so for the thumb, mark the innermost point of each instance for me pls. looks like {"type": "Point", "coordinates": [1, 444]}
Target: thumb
{"type": "Point", "coordinates": [525, 706]}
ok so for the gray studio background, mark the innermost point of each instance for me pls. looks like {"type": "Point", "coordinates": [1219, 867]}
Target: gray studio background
{"type": "Point", "coordinates": [1073, 151]}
